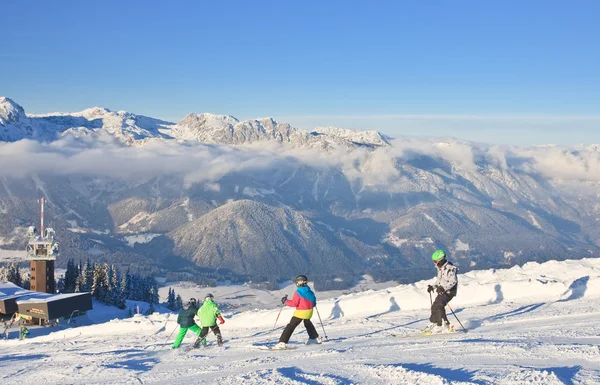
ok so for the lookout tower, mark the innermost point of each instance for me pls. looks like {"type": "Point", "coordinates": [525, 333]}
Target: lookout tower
{"type": "Point", "coordinates": [42, 251]}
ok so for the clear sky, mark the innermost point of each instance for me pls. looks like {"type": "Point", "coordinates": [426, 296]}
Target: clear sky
{"type": "Point", "coordinates": [500, 71]}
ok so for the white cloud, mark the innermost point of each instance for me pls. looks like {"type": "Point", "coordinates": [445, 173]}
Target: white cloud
{"type": "Point", "coordinates": [207, 164]}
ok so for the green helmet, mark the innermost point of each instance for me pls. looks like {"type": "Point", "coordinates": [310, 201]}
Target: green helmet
{"type": "Point", "coordinates": [439, 254]}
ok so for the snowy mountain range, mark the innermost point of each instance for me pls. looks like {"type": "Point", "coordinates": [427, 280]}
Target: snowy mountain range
{"type": "Point", "coordinates": [137, 130]}
{"type": "Point", "coordinates": [264, 199]}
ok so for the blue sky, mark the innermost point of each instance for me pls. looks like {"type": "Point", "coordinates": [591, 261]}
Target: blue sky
{"type": "Point", "coordinates": [503, 71]}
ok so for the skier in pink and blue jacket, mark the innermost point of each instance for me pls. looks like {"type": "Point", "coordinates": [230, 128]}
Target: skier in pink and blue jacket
{"type": "Point", "coordinates": [304, 301]}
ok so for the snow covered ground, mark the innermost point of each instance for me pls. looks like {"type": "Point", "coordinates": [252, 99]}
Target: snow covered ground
{"type": "Point", "coordinates": [244, 297]}
{"type": "Point", "coordinates": [14, 256]}
{"type": "Point", "coordinates": [536, 324]}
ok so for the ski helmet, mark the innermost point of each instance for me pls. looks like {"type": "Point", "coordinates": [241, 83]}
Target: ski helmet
{"type": "Point", "coordinates": [438, 255]}
{"type": "Point", "coordinates": [209, 296]}
{"type": "Point", "coordinates": [193, 301]}
{"type": "Point", "coordinates": [301, 280]}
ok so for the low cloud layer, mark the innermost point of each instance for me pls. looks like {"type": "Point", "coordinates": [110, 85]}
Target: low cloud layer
{"type": "Point", "coordinates": [199, 163]}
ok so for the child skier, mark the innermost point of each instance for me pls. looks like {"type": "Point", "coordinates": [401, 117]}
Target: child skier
{"type": "Point", "coordinates": [446, 288]}
{"type": "Point", "coordinates": [186, 321]}
{"type": "Point", "coordinates": [208, 314]}
{"type": "Point", "coordinates": [304, 301]}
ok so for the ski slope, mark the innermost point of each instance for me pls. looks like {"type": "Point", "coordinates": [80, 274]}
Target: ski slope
{"type": "Point", "coordinates": [536, 324]}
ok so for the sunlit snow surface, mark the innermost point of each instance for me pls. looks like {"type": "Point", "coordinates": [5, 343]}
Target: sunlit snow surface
{"type": "Point", "coordinates": [536, 324]}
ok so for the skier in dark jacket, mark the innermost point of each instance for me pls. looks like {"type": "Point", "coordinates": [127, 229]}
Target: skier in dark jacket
{"type": "Point", "coordinates": [446, 288]}
{"type": "Point", "coordinates": [186, 321]}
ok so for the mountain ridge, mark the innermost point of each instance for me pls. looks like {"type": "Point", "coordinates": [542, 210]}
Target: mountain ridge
{"type": "Point", "coordinates": [384, 204]}
{"type": "Point", "coordinates": [137, 130]}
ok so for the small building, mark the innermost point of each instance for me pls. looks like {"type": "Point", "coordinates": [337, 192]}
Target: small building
{"type": "Point", "coordinates": [9, 294]}
{"type": "Point", "coordinates": [49, 307]}
{"type": "Point", "coordinates": [36, 306]}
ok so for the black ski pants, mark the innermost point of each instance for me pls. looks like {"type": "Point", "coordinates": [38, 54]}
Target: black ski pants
{"type": "Point", "coordinates": [215, 330]}
{"type": "Point", "coordinates": [294, 322]}
{"type": "Point", "coordinates": [438, 309]}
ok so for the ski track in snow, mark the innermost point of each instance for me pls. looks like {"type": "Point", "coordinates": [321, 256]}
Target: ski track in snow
{"type": "Point", "coordinates": [539, 326]}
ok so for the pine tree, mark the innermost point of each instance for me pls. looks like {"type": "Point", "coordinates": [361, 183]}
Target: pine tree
{"type": "Point", "coordinates": [126, 285]}
{"type": "Point", "coordinates": [114, 278]}
{"type": "Point", "coordinates": [89, 275]}
{"type": "Point", "coordinates": [14, 275]}
{"type": "Point", "coordinates": [85, 279]}
{"type": "Point", "coordinates": [109, 273]}
{"type": "Point", "coordinates": [155, 297]}
{"type": "Point", "coordinates": [100, 283]}
{"type": "Point", "coordinates": [117, 297]}
{"type": "Point", "coordinates": [78, 280]}
{"type": "Point", "coordinates": [70, 279]}
{"type": "Point", "coordinates": [109, 297]}
{"type": "Point", "coordinates": [150, 309]}
{"type": "Point", "coordinates": [3, 273]}
{"type": "Point", "coordinates": [171, 300]}
{"type": "Point", "coordinates": [96, 281]}
{"type": "Point", "coordinates": [178, 303]}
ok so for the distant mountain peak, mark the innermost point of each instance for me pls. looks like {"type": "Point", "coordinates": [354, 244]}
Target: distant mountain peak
{"type": "Point", "coordinates": [210, 118]}
{"type": "Point", "coordinates": [136, 130]}
{"type": "Point", "coordinates": [96, 111]}
{"type": "Point", "coordinates": [10, 111]}
{"type": "Point", "coordinates": [372, 137]}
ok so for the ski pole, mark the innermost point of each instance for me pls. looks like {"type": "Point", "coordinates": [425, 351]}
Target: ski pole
{"type": "Point", "coordinates": [325, 334]}
{"type": "Point", "coordinates": [169, 337]}
{"type": "Point", "coordinates": [430, 300]}
{"type": "Point", "coordinates": [461, 325]}
{"type": "Point", "coordinates": [276, 319]}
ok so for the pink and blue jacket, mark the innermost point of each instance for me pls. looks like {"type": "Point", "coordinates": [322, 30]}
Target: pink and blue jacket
{"type": "Point", "coordinates": [304, 301]}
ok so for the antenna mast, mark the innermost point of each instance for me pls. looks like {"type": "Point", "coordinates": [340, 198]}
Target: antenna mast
{"type": "Point", "coordinates": [42, 219]}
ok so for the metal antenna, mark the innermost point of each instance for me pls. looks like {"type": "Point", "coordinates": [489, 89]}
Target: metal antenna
{"type": "Point", "coordinates": [42, 219]}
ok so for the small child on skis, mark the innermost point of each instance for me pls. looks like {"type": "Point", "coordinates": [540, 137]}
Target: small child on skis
{"type": "Point", "coordinates": [446, 288]}
{"type": "Point", "coordinates": [208, 314]}
{"type": "Point", "coordinates": [304, 301]}
{"type": "Point", "coordinates": [186, 322]}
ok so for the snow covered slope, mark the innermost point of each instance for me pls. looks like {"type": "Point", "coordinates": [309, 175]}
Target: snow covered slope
{"type": "Point", "coordinates": [535, 324]}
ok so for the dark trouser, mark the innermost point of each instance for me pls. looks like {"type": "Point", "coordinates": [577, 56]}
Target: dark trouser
{"type": "Point", "coordinates": [204, 333]}
{"type": "Point", "coordinates": [438, 309]}
{"type": "Point", "coordinates": [294, 322]}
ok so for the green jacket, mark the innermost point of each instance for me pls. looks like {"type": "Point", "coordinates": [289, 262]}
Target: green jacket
{"type": "Point", "coordinates": [186, 316]}
{"type": "Point", "coordinates": [208, 313]}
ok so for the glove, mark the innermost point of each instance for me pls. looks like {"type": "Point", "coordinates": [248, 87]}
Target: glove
{"type": "Point", "coordinates": [221, 320]}
{"type": "Point", "coordinates": [429, 288]}
{"type": "Point", "coordinates": [440, 290]}
{"type": "Point", "coordinates": [284, 300]}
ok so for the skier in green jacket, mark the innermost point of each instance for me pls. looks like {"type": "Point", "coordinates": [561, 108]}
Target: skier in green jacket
{"type": "Point", "coordinates": [186, 321]}
{"type": "Point", "coordinates": [208, 314]}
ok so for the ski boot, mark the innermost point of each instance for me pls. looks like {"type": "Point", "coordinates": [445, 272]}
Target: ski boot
{"type": "Point", "coordinates": [312, 341]}
{"type": "Point", "coordinates": [199, 342]}
{"type": "Point", "coordinates": [280, 346]}
{"type": "Point", "coordinates": [219, 340]}
{"type": "Point", "coordinates": [428, 329]}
